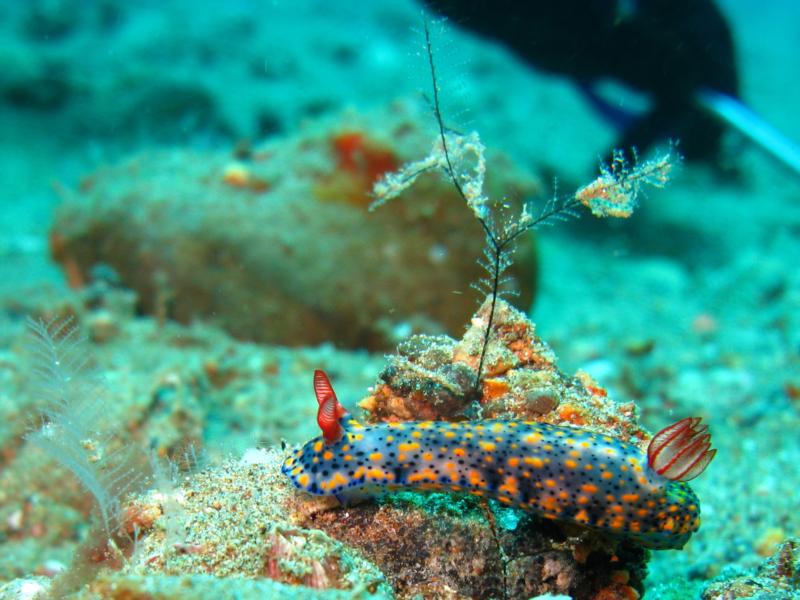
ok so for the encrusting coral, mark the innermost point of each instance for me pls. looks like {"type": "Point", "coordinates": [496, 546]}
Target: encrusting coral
{"type": "Point", "coordinates": [431, 379]}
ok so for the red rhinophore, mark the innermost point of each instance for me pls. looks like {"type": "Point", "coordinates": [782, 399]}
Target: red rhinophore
{"type": "Point", "coordinates": [322, 387]}
{"type": "Point", "coordinates": [330, 411]}
{"type": "Point", "coordinates": [681, 451]}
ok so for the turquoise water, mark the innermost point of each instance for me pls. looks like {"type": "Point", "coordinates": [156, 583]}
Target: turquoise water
{"type": "Point", "coordinates": [189, 182]}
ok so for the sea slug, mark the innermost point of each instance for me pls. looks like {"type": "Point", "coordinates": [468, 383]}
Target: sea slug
{"type": "Point", "coordinates": [560, 473]}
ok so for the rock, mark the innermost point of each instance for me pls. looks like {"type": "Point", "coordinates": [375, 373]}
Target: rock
{"type": "Point", "coordinates": [279, 247]}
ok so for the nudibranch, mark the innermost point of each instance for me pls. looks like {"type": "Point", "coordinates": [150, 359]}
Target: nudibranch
{"type": "Point", "coordinates": [558, 472]}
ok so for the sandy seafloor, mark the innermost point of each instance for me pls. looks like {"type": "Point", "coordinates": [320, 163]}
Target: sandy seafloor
{"type": "Point", "coordinates": [704, 276]}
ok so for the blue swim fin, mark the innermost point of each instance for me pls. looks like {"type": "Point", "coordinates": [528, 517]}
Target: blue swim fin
{"type": "Point", "coordinates": [734, 113]}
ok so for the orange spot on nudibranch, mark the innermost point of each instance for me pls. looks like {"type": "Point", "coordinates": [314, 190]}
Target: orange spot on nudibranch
{"type": "Point", "coordinates": [376, 473]}
{"type": "Point", "coordinates": [617, 523]}
{"type": "Point", "coordinates": [337, 480]}
{"type": "Point", "coordinates": [550, 503]}
{"type": "Point", "coordinates": [476, 479]}
{"type": "Point", "coordinates": [408, 447]}
{"type": "Point", "coordinates": [509, 486]}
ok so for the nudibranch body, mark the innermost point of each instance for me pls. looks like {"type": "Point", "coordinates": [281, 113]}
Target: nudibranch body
{"type": "Point", "coordinates": [561, 473]}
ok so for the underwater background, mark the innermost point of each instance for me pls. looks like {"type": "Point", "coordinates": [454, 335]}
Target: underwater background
{"type": "Point", "coordinates": [188, 184]}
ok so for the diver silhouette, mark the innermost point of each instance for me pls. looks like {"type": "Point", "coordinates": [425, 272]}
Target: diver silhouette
{"type": "Point", "coordinates": [680, 53]}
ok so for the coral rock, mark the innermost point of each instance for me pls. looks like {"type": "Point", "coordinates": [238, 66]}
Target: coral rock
{"type": "Point", "coordinates": [281, 248]}
{"type": "Point", "coordinates": [433, 378]}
